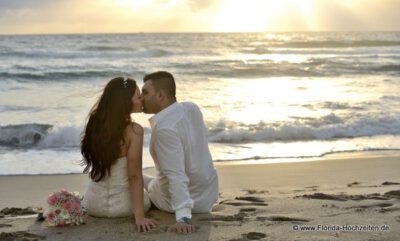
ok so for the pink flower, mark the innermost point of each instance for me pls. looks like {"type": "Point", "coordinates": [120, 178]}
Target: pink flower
{"type": "Point", "coordinates": [50, 215]}
{"type": "Point", "coordinates": [50, 218]}
{"type": "Point", "coordinates": [64, 191]}
{"type": "Point", "coordinates": [68, 206]}
{"type": "Point", "coordinates": [77, 207]}
{"type": "Point", "coordinates": [52, 200]}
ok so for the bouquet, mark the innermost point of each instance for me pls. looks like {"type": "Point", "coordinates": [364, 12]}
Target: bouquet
{"type": "Point", "coordinates": [64, 209]}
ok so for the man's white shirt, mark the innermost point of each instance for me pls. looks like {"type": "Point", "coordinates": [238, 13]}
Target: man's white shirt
{"type": "Point", "coordinates": [186, 174]}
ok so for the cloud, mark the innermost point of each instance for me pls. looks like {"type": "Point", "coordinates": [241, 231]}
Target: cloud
{"type": "Point", "coordinates": [335, 16]}
{"type": "Point", "coordinates": [90, 16]}
{"type": "Point", "coordinates": [201, 4]}
{"type": "Point", "coordinates": [365, 15]}
{"type": "Point", "coordinates": [18, 4]}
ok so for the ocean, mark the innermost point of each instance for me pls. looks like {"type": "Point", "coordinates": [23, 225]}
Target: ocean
{"type": "Point", "coordinates": [267, 97]}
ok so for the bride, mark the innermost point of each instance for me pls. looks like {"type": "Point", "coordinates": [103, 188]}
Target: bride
{"type": "Point", "coordinates": [111, 146]}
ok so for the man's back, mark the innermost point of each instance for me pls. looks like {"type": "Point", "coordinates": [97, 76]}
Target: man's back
{"type": "Point", "coordinates": [182, 156]}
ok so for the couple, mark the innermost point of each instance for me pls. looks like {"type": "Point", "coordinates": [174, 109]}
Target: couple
{"type": "Point", "coordinates": [186, 181]}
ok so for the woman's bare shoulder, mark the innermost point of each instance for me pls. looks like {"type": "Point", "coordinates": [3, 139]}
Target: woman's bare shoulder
{"type": "Point", "coordinates": [134, 129]}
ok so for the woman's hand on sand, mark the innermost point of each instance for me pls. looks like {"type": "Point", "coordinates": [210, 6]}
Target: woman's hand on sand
{"type": "Point", "coordinates": [145, 225]}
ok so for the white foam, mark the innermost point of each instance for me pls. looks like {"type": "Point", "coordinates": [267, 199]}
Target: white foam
{"type": "Point", "coordinates": [66, 136]}
{"type": "Point", "coordinates": [323, 128]}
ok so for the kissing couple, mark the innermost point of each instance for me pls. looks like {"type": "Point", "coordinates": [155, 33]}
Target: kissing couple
{"type": "Point", "coordinates": [112, 146]}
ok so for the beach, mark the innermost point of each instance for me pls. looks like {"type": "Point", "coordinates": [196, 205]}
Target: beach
{"type": "Point", "coordinates": [348, 196]}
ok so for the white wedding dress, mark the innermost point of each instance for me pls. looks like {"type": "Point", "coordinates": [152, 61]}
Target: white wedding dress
{"type": "Point", "coordinates": [110, 197]}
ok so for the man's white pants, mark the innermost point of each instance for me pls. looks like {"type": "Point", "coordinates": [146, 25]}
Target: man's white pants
{"type": "Point", "coordinates": [163, 202]}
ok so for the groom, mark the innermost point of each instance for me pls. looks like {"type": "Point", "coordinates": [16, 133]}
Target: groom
{"type": "Point", "coordinates": [186, 180]}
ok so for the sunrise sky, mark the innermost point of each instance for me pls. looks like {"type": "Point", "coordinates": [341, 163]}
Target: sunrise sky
{"type": "Point", "coordinates": [126, 16]}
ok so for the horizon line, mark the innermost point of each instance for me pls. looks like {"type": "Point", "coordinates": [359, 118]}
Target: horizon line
{"type": "Point", "coordinates": [200, 32]}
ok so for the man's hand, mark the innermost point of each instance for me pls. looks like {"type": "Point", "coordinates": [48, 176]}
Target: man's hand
{"type": "Point", "coordinates": [145, 225]}
{"type": "Point", "coordinates": [181, 227]}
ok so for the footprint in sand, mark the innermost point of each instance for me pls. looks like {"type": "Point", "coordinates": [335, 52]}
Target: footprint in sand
{"type": "Point", "coordinates": [282, 219]}
{"type": "Point", "coordinates": [16, 211]}
{"type": "Point", "coordinates": [384, 207]}
{"type": "Point", "coordinates": [311, 188]}
{"type": "Point", "coordinates": [247, 210]}
{"type": "Point", "coordinates": [390, 183]}
{"type": "Point", "coordinates": [217, 208]}
{"type": "Point", "coordinates": [353, 184]}
{"type": "Point", "coordinates": [387, 210]}
{"type": "Point", "coordinates": [344, 197]}
{"type": "Point", "coordinates": [254, 191]}
{"type": "Point", "coordinates": [243, 204]}
{"type": "Point", "coordinates": [250, 236]}
{"type": "Point", "coordinates": [230, 218]}
{"type": "Point", "coordinates": [323, 196]}
{"type": "Point", "coordinates": [21, 235]}
{"type": "Point", "coordinates": [4, 225]}
{"type": "Point", "coordinates": [255, 235]}
{"type": "Point", "coordinates": [250, 201]}
{"type": "Point", "coordinates": [377, 205]}
{"type": "Point", "coordinates": [393, 194]}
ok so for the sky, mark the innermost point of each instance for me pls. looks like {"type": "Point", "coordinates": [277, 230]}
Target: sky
{"type": "Point", "coordinates": [130, 16]}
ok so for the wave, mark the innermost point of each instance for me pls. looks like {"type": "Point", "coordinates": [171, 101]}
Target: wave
{"type": "Point", "coordinates": [391, 97]}
{"type": "Point", "coordinates": [5, 108]}
{"type": "Point", "coordinates": [23, 135]}
{"type": "Point", "coordinates": [335, 44]}
{"type": "Point", "coordinates": [67, 75]}
{"type": "Point", "coordinates": [388, 68]}
{"type": "Point", "coordinates": [304, 129]}
{"type": "Point", "coordinates": [39, 135]}
{"type": "Point", "coordinates": [314, 67]}
{"type": "Point", "coordinates": [44, 136]}
{"type": "Point", "coordinates": [326, 127]}
{"type": "Point", "coordinates": [250, 69]}
{"type": "Point", "coordinates": [106, 48]}
{"type": "Point", "coordinates": [323, 154]}
{"type": "Point", "coordinates": [39, 54]}
{"type": "Point", "coordinates": [65, 136]}
{"type": "Point", "coordinates": [141, 52]}
{"type": "Point", "coordinates": [311, 67]}
{"type": "Point", "coordinates": [87, 52]}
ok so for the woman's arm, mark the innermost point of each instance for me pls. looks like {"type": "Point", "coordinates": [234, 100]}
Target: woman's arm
{"type": "Point", "coordinates": [134, 156]}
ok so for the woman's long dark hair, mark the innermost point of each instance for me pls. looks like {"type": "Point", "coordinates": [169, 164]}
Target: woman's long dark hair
{"type": "Point", "coordinates": [103, 136]}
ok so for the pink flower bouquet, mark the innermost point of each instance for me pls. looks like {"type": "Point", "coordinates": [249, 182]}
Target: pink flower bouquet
{"type": "Point", "coordinates": [64, 209]}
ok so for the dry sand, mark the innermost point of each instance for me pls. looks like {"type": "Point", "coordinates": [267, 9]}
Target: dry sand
{"type": "Point", "coordinates": [257, 202]}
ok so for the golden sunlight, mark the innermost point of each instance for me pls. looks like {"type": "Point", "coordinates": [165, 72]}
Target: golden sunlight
{"type": "Point", "coordinates": [130, 16]}
{"type": "Point", "coordinates": [255, 15]}
{"type": "Point", "coordinates": [132, 4]}
{"type": "Point", "coordinates": [137, 5]}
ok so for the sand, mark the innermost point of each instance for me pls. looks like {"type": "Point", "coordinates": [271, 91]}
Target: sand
{"type": "Point", "coordinates": [341, 197]}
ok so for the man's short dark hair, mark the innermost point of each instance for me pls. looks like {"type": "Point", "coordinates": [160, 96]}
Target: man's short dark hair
{"type": "Point", "coordinates": [162, 80]}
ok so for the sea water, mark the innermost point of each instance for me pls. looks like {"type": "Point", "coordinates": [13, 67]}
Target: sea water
{"type": "Point", "coordinates": [264, 96]}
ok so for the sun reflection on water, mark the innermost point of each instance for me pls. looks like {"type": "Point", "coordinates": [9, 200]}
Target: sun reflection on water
{"type": "Point", "coordinates": [276, 99]}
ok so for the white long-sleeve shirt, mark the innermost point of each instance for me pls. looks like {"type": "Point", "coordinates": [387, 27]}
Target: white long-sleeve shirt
{"type": "Point", "coordinates": [179, 148]}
